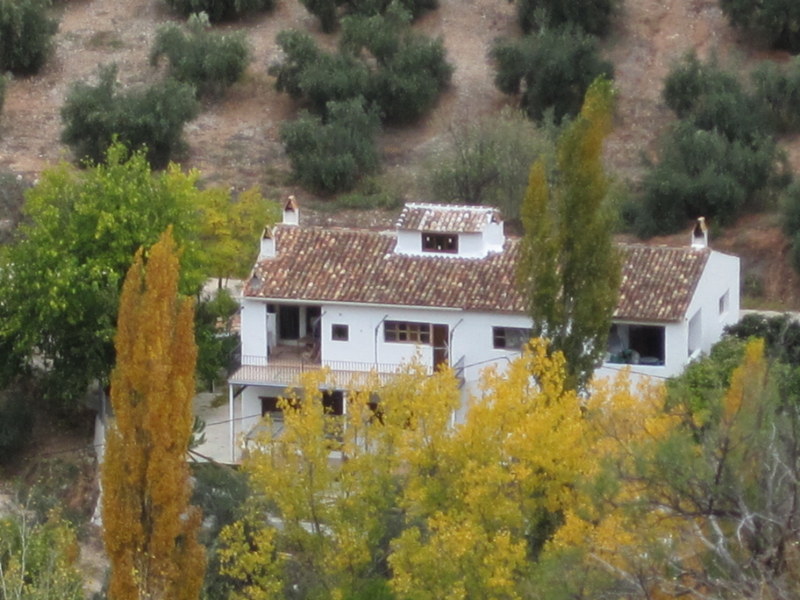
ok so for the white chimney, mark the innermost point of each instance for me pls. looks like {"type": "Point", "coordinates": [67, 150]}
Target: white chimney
{"type": "Point", "coordinates": [267, 249]}
{"type": "Point", "coordinates": [700, 234]}
{"type": "Point", "coordinates": [291, 213]}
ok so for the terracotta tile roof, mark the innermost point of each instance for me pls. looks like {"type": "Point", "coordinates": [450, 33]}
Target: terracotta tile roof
{"type": "Point", "coordinates": [658, 282]}
{"type": "Point", "coordinates": [446, 218]}
{"type": "Point", "coordinates": [347, 265]}
{"type": "Point", "coordinates": [344, 265]}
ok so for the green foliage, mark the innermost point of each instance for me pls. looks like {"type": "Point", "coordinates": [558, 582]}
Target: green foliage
{"type": "Point", "coordinates": [12, 196]}
{"type": "Point", "coordinates": [718, 160]}
{"type": "Point", "coordinates": [215, 343]}
{"type": "Point", "coordinates": [487, 162]}
{"type": "Point", "coordinates": [777, 22]}
{"type": "Point", "coordinates": [61, 279]}
{"type": "Point", "coordinates": [781, 334]}
{"type": "Point", "coordinates": [777, 90]}
{"type": "Point", "coordinates": [330, 156]}
{"type": "Point", "coordinates": [220, 10]}
{"type": "Point", "coordinates": [26, 33]}
{"type": "Point", "coordinates": [569, 269]}
{"type": "Point", "coordinates": [552, 69]}
{"type": "Point", "coordinates": [210, 61]}
{"type": "Point", "coordinates": [403, 78]}
{"type": "Point", "coordinates": [327, 11]}
{"type": "Point", "coordinates": [151, 117]}
{"type": "Point", "coordinates": [698, 389]}
{"type": "Point", "coordinates": [703, 173]}
{"type": "Point", "coordinates": [371, 192]}
{"type": "Point", "coordinates": [219, 491]}
{"type": "Point", "coordinates": [16, 419]}
{"type": "Point", "coordinates": [713, 99]}
{"type": "Point", "coordinates": [593, 16]}
{"type": "Point", "coordinates": [38, 559]}
{"type": "Point", "coordinates": [413, 69]}
{"type": "Point", "coordinates": [790, 209]}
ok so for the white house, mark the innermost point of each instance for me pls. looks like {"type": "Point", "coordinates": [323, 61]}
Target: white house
{"type": "Point", "coordinates": [441, 287]}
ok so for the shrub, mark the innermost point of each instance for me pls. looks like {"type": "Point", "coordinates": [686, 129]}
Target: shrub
{"type": "Point", "coordinates": [781, 333]}
{"type": "Point", "coordinates": [712, 98]}
{"type": "Point", "coordinates": [551, 69]}
{"type": "Point", "coordinates": [775, 21]}
{"type": "Point", "coordinates": [16, 420]}
{"type": "Point", "coordinates": [210, 61]}
{"type": "Point", "coordinates": [327, 10]}
{"type": "Point", "coordinates": [412, 69]}
{"type": "Point", "coordinates": [777, 90]}
{"type": "Point", "coordinates": [790, 210]}
{"type": "Point", "coordinates": [26, 33]}
{"type": "Point", "coordinates": [593, 16]}
{"type": "Point", "coordinates": [152, 117]}
{"type": "Point", "coordinates": [330, 156]}
{"type": "Point", "coordinates": [718, 161]}
{"type": "Point", "coordinates": [379, 60]}
{"type": "Point", "coordinates": [487, 162]}
{"type": "Point", "coordinates": [220, 10]}
{"type": "Point", "coordinates": [12, 197]}
{"type": "Point", "coordinates": [299, 51]}
{"type": "Point", "coordinates": [704, 173]}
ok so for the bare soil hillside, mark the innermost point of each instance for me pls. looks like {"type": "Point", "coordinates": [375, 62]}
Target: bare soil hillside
{"type": "Point", "coordinates": [234, 142]}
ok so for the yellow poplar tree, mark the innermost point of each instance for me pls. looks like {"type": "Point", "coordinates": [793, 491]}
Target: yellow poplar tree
{"type": "Point", "coordinates": [569, 268]}
{"type": "Point", "coordinates": [149, 528]}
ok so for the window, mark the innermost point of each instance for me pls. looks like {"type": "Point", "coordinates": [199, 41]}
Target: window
{"type": "Point", "coordinates": [340, 333]}
{"type": "Point", "coordinates": [511, 338]}
{"type": "Point", "coordinates": [724, 302]}
{"type": "Point", "coordinates": [402, 331]}
{"type": "Point", "coordinates": [440, 242]}
{"type": "Point", "coordinates": [695, 333]}
{"type": "Point", "coordinates": [636, 344]}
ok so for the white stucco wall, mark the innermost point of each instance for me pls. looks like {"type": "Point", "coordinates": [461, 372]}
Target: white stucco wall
{"type": "Point", "coordinates": [470, 335]}
{"type": "Point", "coordinates": [720, 277]}
{"type": "Point", "coordinates": [253, 328]}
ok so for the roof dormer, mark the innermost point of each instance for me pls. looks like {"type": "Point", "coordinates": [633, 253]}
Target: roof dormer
{"type": "Point", "coordinates": [449, 230]}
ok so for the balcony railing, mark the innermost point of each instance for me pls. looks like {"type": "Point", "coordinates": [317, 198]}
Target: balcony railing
{"type": "Point", "coordinates": [257, 370]}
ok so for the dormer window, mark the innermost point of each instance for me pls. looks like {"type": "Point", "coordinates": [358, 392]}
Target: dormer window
{"type": "Point", "coordinates": [440, 242]}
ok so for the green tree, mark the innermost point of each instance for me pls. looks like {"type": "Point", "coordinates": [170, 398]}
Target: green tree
{"type": "Point", "coordinates": [61, 278]}
{"type": "Point", "coordinates": [144, 117]}
{"type": "Point", "coordinates": [412, 69]}
{"type": "Point", "coordinates": [550, 70]}
{"type": "Point", "coordinates": [210, 61]}
{"type": "Point", "coordinates": [719, 160]}
{"type": "Point", "coordinates": [775, 21]}
{"type": "Point", "coordinates": [220, 10]}
{"type": "Point", "coordinates": [149, 528]}
{"type": "Point", "coordinates": [569, 266]}
{"type": "Point", "coordinates": [705, 505]}
{"type": "Point", "coordinates": [487, 162]}
{"type": "Point", "coordinates": [330, 156]}
{"type": "Point", "coordinates": [593, 16]}
{"type": "Point", "coordinates": [38, 558]}
{"type": "Point", "coordinates": [379, 59]}
{"type": "Point", "coordinates": [26, 32]}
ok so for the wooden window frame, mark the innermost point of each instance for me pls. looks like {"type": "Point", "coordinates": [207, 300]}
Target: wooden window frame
{"type": "Point", "coordinates": [407, 332]}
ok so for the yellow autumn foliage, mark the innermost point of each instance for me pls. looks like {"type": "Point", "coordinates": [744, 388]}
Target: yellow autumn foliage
{"type": "Point", "coordinates": [149, 528]}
